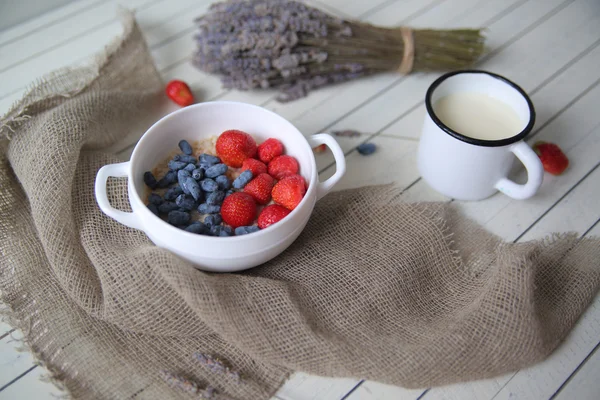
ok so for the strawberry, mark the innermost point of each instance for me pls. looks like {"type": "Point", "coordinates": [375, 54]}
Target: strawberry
{"type": "Point", "coordinates": [255, 166]}
{"type": "Point", "coordinates": [234, 147]}
{"type": "Point", "coordinates": [238, 209]}
{"type": "Point", "coordinates": [289, 191]}
{"type": "Point", "coordinates": [320, 148]}
{"type": "Point", "coordinates": [553, 159]}
{"type": "Point", "coordinates": [269, 149]}
{"type": "Point", "coordinates": [283, 166]}
{"type": "Point", "coordinates": [271, 214]}
{"type": "Point", "coordinates": [260, 188]}
{"type": "Point", "coordinates": [180, 93]}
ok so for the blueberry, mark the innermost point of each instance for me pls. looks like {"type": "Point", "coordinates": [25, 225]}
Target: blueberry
{"type": "Point", "coordinates": [152, 207]}
{"type": "Point", "coordinates": [223, 182]}
{"type": "Point", "coordinates": [176, 165]}
{"type": "Point", "coordinates": [209, 185]}
{"type": "Point", "coordinates": [169, 178]}
{"type": "Point", "coordinates": [185, 202]}
{"type": "Point", "coordinates": [185, 147]}
{"type": "Point", "coordinates": [244, 230]}
{"type": "Point", "coordinates": [190, 167]}
{"type": "Point", "coordinates": [224, 233]}
{"type": "Point", "coordinates": [366, 148]}
{"type": "Point", "coordinates": [173, 192]}
{"type": "Point", "coordinates": [215, 198]}
{"type": "Point", "coordinates": [198, 173]}
{"type": "Point", "coordinates": [207, 209]}
{"type": "Point", "coordinates": [215, 230]}
{"type": "Point", "coordinates": [182, 174]}
{"type": "Point", "coordinates": [216, 170]}
{"type": "Point", "coordinates": [150, 180]}
{"type": "Point", "coordinates": [194, 188]}
{"type": "Point", "coordinates": [155, 199]}
{"type": "Point", "coordinates": [187, 159]}
{"type": "Point", "coordinates": [228, 193]}
{"type": "Point", "coordinates": [177, 217]}
{"type": "Point", "coordinates": [243, 179]}
{"type": "Point", "coordinates": [167, 207]}
{"type": "Point", "coordinates": [177, 157]}
{"type": "Point", "coordinates": [228, 230]}
{"type": "Point", "coordinates": [213, 219]}
{"type": "Point", "coordinates": [197, 227]}
{"type": "Point", "coordinates": [208, 159]}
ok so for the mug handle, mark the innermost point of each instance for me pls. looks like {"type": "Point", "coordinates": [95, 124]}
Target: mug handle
{"type": "Point", "coordinates": [535, 174]}
{"type": "Point", "coordinates": [340, 161]}
{"type": "Point", "coordinates": [116, 170]}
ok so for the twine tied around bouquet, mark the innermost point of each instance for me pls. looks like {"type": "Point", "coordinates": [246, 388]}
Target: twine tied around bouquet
{"type": "Point", "coordinates": [408, 56]}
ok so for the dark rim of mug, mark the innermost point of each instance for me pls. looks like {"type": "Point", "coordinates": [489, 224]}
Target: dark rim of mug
{"type": "Point", "coordinates": [467, 139]}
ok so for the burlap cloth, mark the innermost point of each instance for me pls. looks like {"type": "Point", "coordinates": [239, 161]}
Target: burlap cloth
{"type": "Point", "coordinates": [407, 294]}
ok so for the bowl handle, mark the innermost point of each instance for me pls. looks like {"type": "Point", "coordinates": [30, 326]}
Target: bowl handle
{"type": "Point", "coordinates": [340, 161]}
{"type": "Point", "coordinates": [116, 170]}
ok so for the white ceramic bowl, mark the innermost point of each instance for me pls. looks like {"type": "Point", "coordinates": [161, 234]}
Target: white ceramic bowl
{"type": "Point", "coordinates": [219, 254]}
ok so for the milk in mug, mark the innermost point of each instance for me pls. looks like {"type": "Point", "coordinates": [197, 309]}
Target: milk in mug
{"type": "Point", "coordinates": [478, 116]}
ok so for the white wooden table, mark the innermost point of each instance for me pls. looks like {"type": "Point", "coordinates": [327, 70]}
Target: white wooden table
{"type": "Point", "coordinates": [550, 47]}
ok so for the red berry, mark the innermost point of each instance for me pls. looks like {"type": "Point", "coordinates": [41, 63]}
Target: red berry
{"type": "Point", "coordinates": [283, 166]}
{"type": "Point", "coordinates": [260, 188]}
{"type": "Point", "coordinates": [255, 166]}
{"type": "Point", "coordinates": [553, 159]}
{"type": "Point", "coordinates": [271, 214]}
{"type": "Point", "coordinates": [180, 93]}
{"type": "Point", "coordinates": [289, 191]}
{"type": "Point", "coordinates": [320, 148]}
{"type": "Point", "coordinates": [234, 147]}
{"type": "Point", "coordinates": [238, 209]}
{"type": "Point", "coordinates": [269, 149]}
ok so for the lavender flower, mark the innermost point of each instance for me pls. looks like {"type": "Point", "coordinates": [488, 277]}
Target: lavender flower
{"type": "Point", "coordinates": [296, 48]}
{"type": "Point", "coordinates": [187, 386]}
{"type": "Point", "coordinates": [217, 366]}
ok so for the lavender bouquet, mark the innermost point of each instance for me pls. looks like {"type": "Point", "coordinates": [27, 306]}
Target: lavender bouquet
{"type": "Point", "coordinates": [294, 48]}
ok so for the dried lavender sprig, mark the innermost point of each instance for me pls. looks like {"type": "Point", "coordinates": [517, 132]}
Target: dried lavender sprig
{"type": "Point", "coordinates": [216, 365]}
{"type": "Point", "coordinates": [245, 40]}
{"type": "Point", "coordinates": [187, 386]}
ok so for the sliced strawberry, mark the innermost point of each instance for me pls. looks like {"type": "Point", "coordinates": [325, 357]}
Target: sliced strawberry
{"type": "Point", "coordinates": [234, 147]}
{"type": "Point", "coordinates": [283, 166]}
{"type": "Point", "coordinates": [238, 209]}
{"type": "Point", "coordinates": [269, 149]}
{"type": "Point", "coordinates": [553, 159]}
{"type": "Point", "coordinates": [289, 191]}
{"type": "Point", "coordinates": [255, 166]}
{"type": "Point", "coordinates": [180, 93]}
{"type": "Point", "coordinates": [271, 214]}
{"type": "Point", "coordinates": [260, 188]}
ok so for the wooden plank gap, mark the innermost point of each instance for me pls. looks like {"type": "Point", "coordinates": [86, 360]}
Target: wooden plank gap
{"type": "Point", "coordinates": [353, 389]}
{"type": "Point", "coordinates": [17, 378]}
{"type": "Point", "coordinates": [590, 355]}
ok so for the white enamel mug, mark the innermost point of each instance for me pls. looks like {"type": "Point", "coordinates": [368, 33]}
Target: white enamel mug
{"type": "Point", "coordinates": [465, 168]}
{"type": "Point", "coordinates": [218, 254]}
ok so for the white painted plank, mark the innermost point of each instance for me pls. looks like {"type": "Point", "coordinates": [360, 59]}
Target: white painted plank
{"type": "Point", "coordinates": [575, 213]}
{"type": "Point", "coordinates": [32, 387]}
{"type": "Point", "coordinates": [13, 362]}
{"type": "Point", "coordinates": [309, 387]}
{"type": "Point", "coordinates": [4, 327]}
{"type": "Point", "coordinates": [45, 20]}
{"type": "Point", "coordinates": [44, 40]}
{"type": "Point", "coordinates": [378, 391]}
{"type": "Point", "coordinates": [80, 48]}
{"type": "Point", "coordinates": [585, 385]}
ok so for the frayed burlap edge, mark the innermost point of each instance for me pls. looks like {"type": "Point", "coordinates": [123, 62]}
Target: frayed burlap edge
{"type": "Point", "coordinates": [65, 82]}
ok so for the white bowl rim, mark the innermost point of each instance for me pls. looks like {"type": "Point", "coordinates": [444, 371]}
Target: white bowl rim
{"type": "Point", "coordinates": [146, 213]}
